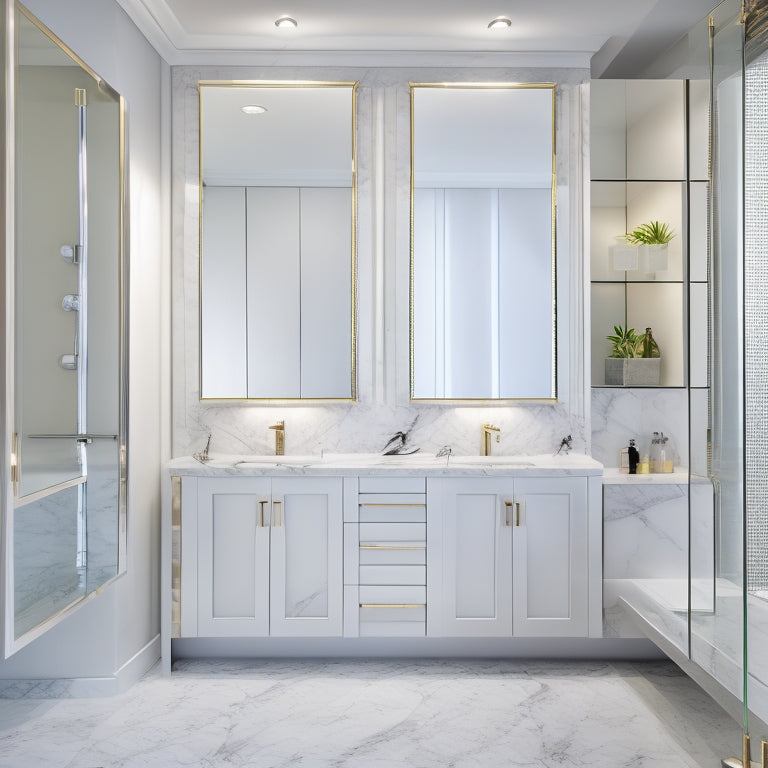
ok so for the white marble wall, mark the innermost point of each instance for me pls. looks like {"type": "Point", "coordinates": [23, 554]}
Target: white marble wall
{"type": "Point", "coordinates": [382, 406]}
{"type": "Point", "coordinates": [645, 536]}
{"type": "Point", "coordinates": [645, 531]}
{"type": "Point", "coordinates": [620, 414]}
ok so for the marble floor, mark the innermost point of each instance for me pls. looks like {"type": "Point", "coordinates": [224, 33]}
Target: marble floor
{"type": "Point", "coordinates": [447, 713]}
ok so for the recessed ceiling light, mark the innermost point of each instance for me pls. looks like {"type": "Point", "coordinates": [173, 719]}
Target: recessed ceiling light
{"type": "Point", "coordinates": [500, 22]}
{"type": "Point", "coordinates": [286, 21]}
{"type": "Point", "coordinates": [253, 109]}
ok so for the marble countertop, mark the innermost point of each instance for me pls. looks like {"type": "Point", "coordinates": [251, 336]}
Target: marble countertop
{"type": "Point", "coordinates": [352, 464]}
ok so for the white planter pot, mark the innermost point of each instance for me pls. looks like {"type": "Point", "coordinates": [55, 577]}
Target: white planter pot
{"type": "Point", "coordinates": [633, 371]}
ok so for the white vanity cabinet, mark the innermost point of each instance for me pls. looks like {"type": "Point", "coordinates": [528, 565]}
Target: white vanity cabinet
{"type": "Point", "coordinates": [261, 556]}
{"type": "Point", "coordinates": [508, 557]}
{"type": "Point", "coordinates": [374, 555]}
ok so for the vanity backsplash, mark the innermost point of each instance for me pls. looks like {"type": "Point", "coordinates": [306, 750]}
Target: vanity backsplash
{"type": "Point", "coordinates": [359, 428]}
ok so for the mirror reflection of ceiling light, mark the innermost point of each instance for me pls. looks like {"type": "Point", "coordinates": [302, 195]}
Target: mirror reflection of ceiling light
{"type": "Point", "coordinates": [253, 109]}
{"type": "Point", "coordinates": [286, 21]}
{"type": "Point", "coordinates": [500, 22]}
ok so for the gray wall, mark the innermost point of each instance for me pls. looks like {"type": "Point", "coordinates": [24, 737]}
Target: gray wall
{"type": "Point", "coordinates": [97, 640]}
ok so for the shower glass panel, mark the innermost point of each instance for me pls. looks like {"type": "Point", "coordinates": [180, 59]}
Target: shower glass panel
{"type": "Point", "coordinates": [756, 368]}
{"type": "Point", "coordinates": [69, 417]}
{"type": "Point", "coordinates": [717, 511]}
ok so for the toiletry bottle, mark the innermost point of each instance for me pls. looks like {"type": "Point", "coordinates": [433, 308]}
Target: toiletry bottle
{"type": "Point", "coordinates": [644, 465]}
{"type": "Point", "coordinates": [667, 463]}
{"type": "Point", "coordinates": [655, 451]}
{"type": "Point", "coordinates": [624, 461]}
{"type": "Point", "coordinates": [634, 457]}
{"type": "Point", "coordinates": [647, 346]}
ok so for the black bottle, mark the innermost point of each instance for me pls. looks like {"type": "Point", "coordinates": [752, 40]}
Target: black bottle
{"type": "Point", "coordinates": [634, 457]}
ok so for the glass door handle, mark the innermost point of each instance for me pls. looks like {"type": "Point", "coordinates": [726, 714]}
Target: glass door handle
{"type": "Point", "coordinates": [86, 437]}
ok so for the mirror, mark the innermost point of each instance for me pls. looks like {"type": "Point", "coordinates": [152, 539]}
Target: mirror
{"type": "Point", "coordinates": [482, 242]}
{"type": "Point", "coordinates": [277, 256]}
{"type": "Point", "coordinates": [70, 353]}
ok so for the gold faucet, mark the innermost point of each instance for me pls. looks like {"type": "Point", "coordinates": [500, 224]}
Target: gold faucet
{"type": "Point", "coordinates": [279, 437]}
{"type": "Point", "coordinates": [488, 430]}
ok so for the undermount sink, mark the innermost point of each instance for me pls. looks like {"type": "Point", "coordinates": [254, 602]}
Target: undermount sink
{"type": "Point", "coordinates": [262, 461]}
{"type": "Point", "coordinates": [490, 461]}
{"type": "Point", "coordinates": [253, 462]}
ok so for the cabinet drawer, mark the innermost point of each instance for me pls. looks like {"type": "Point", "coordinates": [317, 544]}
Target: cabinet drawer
{"type": "Point", "coordinates": [400, 615]}
{"type": "Point", "coordinates": [392, 595]}
{"type": "Point", "coordinates": [393, 513]}
{"type": "Point", "coordinates": [392, 485]}
{"type": "Point", "coordinates": [392, 629]}
{"type": "Point", "coordinates": [393, 574]}
{"type": "Point", "coordinates": [393, 554]}
{"type": "Point", "coordinates": [375, 533]}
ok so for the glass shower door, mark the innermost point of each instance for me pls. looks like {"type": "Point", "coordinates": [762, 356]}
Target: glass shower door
{"type": "Point", "coordinates": [70, 362]}
{"type": "Point", "coordinates": [717, 526]}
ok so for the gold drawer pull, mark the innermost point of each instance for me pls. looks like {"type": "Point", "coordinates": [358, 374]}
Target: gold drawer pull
{"type": "Point", "coordinates": [393, 605]}
{"type": "Point", "coordinates": [516, 505]}
{"type": "Point", "coordinates": [392, 546]}
{"type": "Point", "coordinates": [397, 504]}
{"type": "Point", "coordinates": [261, 513]}
{"type": "Point", "coordinates": [278, 516]}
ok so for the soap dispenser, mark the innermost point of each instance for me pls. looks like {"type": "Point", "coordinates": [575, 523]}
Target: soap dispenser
{"type": "Point", "coordinates": [634, 457]}
{"type": "Point", "coordinates": [628, 459]}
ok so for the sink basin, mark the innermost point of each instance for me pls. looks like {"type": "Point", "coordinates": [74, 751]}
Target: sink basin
{"type": "Point", "coordinates": [490, 461]}
{"type": "Point", "coordinates": [254, 462]}
{"type": "Point", "coordinates": [262, 461]}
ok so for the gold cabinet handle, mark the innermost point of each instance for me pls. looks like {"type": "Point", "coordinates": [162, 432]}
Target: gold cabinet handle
{"type": "Point", "coordinates": [277, 518]}
{"type": "Point", "coordinates": [261, 512]}
{"type": "Point", "coordinates": [507, 505]}
{"type": "Point", "coordinates": [517, 514]}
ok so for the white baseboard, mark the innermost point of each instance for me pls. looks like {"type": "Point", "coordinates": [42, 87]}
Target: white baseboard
{"type": "Point", "coordinates": [85, 687]}
{"type": "Point", "coordinates": [140, 663]}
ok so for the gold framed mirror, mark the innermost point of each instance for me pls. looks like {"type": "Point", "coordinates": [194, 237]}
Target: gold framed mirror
{"type": "Point", "coordinates": [483, 324]}
{"type": "Point", "coordinates": [278, 189]}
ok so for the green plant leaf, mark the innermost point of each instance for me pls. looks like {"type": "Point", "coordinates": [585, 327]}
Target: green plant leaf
{"type": "Point", "coordinates": [652, 233]}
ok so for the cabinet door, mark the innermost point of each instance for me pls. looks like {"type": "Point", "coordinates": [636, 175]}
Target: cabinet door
{"type": "Point", "coordinates": [469, 557]}
{"type": "Point", "coordinates": [233, 557]}
{"type": "Point", "coordinates": [550, 566]}
{"type": "Point", "coordinates": [306, 571]}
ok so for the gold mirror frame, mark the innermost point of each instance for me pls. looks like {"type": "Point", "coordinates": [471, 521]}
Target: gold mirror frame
{"type": "Point", "coordinates": [352, 85]}
{"type": "Point", "coordinates": [483, 86]}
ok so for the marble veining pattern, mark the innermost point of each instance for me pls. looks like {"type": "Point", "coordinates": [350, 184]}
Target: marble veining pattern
{"type": "Point", "coordinates": [380, 713]}
{"type": "Point", "coordinates": [620, 414]}
{"type": "Point", "coordinates": [645, 531]}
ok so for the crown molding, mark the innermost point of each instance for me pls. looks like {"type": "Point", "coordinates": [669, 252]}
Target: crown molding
{"type": "Point", "coordinates": [168, 38]}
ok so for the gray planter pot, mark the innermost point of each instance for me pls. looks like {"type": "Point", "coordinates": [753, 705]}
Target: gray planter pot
{"type": "Point", "coordinates": [633, 371]}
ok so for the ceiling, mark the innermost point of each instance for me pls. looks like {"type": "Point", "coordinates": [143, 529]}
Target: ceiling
{"type": "Point", "coordinates": [619, 37]}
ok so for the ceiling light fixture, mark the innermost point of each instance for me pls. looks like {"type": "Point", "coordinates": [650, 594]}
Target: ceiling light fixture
{"type": "Point", "coordinates": [286, 21]}
{"type": "Point", "coordinates": [500, 22]}
{"type": "Point", "coordinates": [253, 109]}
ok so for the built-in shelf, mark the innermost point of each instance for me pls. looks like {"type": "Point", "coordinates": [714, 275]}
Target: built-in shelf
{"type": "Point", "coordinates": [649, 163]}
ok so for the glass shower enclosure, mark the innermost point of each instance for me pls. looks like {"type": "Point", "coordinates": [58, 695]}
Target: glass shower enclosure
{"type": "Point", "coordinates": [66, 529]}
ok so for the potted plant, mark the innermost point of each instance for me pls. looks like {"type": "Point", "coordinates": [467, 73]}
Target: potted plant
{"type": "Point", "coordinates": [653, 239]}
{"type": "Point", "coordinates": [626, 367]}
